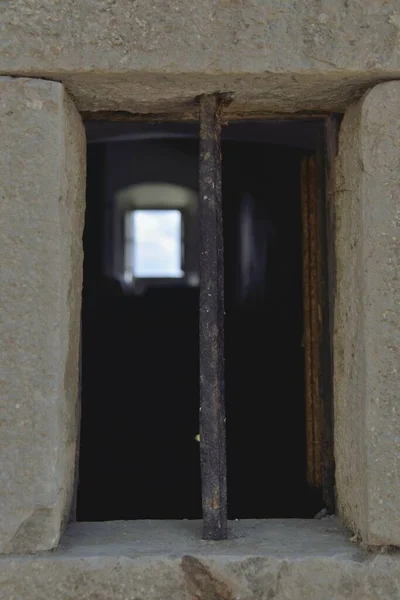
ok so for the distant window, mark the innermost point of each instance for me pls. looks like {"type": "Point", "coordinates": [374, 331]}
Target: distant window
{"type": "Point", "coordinates": [152, 238]}
{"type": "Point", "coordinates": [153, 244]}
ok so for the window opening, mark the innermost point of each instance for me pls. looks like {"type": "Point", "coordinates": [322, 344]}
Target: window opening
{"type": "Point", "coordinates": [157, 243]}
{"type": "Point", "coordinates": [153, 244]}
{"type": "Point", "coordinates": [219, 323]}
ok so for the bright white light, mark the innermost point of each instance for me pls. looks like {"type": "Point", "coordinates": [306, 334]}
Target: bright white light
{"type": "Point", "coordinates": [154, 247]}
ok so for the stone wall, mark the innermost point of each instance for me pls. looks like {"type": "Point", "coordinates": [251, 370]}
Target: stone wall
{"type": "Point", "coordinates": [273, 56]}
{"type": "Point", "coordinates": [141, 56]}
{"type": "Point", "coordinates": [42, 184]}
{"type": "Point", "coordinates": [367, 317]}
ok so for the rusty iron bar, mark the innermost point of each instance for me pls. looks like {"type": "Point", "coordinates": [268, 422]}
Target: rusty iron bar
{"type": "Point", "coordinates": [212, 401]}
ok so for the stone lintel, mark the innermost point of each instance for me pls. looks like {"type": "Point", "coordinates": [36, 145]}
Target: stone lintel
{"type": "Point", "coordinates": [146, 57]}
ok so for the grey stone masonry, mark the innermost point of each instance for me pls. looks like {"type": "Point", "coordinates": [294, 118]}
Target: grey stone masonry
{"type": "Point", "coordinates": [166, 560]}
{"type": "Point", "coordinates": [367, 317]}
{"type": "Point", "coordinates": [152, 56]}
{"type": "Point", "coordinates": [42, 165]}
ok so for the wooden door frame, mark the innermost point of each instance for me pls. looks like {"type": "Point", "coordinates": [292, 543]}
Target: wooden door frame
{"type": "Point", "coordinates": [318, 218]}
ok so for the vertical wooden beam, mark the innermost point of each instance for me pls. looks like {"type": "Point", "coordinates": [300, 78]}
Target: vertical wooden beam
{"type": "Point", "coordinates": [319, 289]}
{"type": "Point", "coordinates": [326, 162]}
{"type": "Point", "coordinates": [311, 316]}
{"type": "Point", "coordinates": [212, 402]}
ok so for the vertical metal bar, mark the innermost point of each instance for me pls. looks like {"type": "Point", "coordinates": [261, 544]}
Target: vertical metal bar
{"type": "Point", "coordinates": [212, 402]}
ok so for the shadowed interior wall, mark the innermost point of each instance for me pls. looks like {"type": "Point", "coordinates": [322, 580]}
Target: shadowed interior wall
{"type": "Point", "coordinates": [139, 458]}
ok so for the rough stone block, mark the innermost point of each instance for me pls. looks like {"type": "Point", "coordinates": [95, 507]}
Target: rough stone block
{"type": "Point", "coordinates": [42, 184]}
{"type": "Point", "coordinates": [367, 317]}
{"type": "Point", "coordinates": [141, 56]}
{"type": "Point", "coordinates": [279, 560]}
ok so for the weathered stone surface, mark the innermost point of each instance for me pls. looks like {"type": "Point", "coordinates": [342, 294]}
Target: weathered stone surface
{"type": "Point", "coordinates": [142, 56]}
{"type": "Point", "coordinates": [294, 559]}
{"type": "Point", "coordinates": [42, 206]}
{"type": "Point", "coordinates": [367, 317]}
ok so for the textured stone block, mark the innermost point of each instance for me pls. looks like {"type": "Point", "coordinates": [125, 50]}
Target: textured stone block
{"type": "Point", "coordinates": [367, 317]}
{"type": "Point", "coordinates": [141, 56]}
{"type": "Point", "coordinates": [279, 560]}
{"type": "Point", "coordinates": [42, 163]}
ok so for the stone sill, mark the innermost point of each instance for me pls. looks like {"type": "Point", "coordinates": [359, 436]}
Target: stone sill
{"type": "Point", "coordinates": [286, 538]}
{"type": "Point", "coordinates": [140, 560]}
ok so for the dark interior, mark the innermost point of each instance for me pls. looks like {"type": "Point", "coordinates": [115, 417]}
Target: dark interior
{"type": "Point", "coordinates": [140, 393]}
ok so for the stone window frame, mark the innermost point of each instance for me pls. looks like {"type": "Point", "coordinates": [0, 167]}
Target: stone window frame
{"type": "Point", "coordinates": [39, 448]}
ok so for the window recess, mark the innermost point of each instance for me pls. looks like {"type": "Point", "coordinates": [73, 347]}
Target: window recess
{"type": "Point", "coordinates": [244, 233]}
